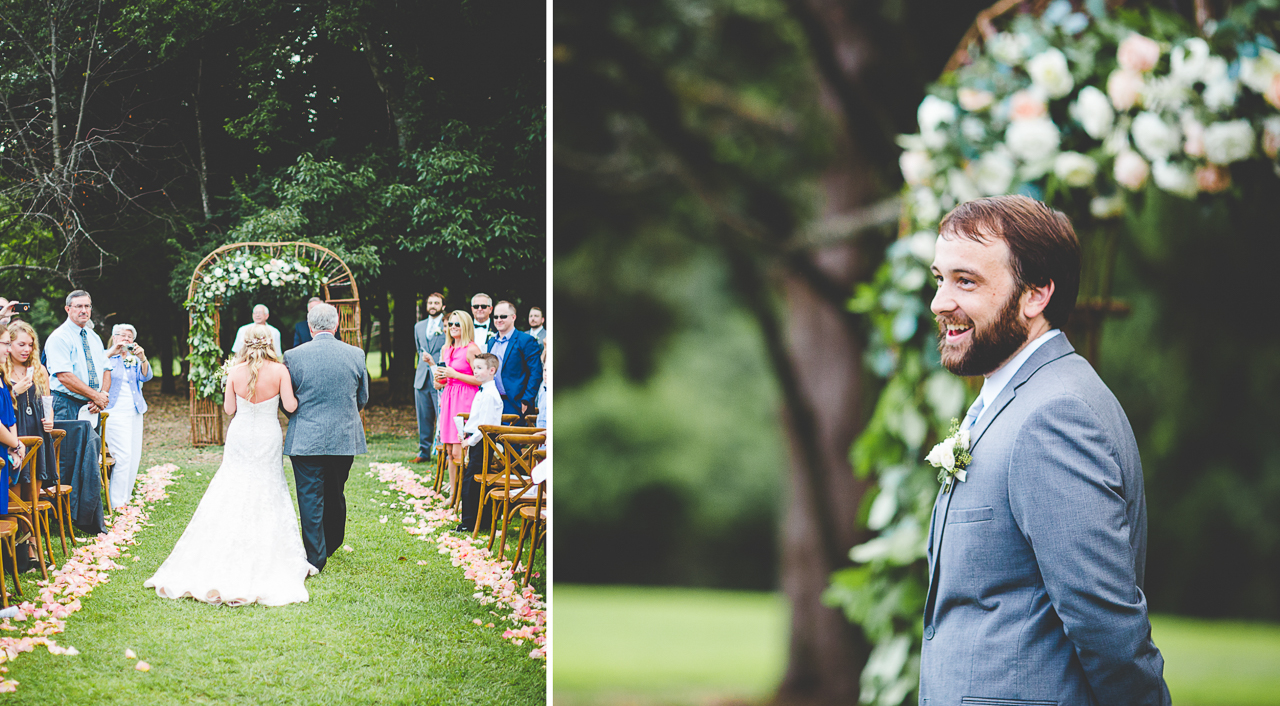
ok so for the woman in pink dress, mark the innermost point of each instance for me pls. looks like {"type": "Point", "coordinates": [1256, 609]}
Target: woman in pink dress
{"type": "Point", "coordinates": [457, 388]}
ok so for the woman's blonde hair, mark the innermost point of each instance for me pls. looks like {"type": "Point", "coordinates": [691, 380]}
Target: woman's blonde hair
{"type": "Point", "coordinates": [257, 350]}
{"type": "Point", "coordinates": [39, 376]}
{"type": "Point", "coordinates": [468, 332]}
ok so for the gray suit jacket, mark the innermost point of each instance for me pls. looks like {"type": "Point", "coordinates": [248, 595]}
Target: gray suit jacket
{"type": "Point", "coordinates": [332, 386]}
{"type": "Point", "coordinates": [1036, 562]}
{"type": "Point", "coordinates": [429, 344]}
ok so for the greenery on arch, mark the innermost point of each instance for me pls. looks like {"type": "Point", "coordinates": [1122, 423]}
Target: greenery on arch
{"type": "Point", "coordinates": [240, 272]}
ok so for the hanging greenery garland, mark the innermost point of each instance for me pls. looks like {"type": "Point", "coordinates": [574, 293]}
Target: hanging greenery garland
{"type": "Point", "coordinates": [237, 273]}
{"type": "Point", "coordinates": [1092, 113]}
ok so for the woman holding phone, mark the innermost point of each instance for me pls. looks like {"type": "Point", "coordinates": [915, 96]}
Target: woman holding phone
{"type": "Point", "coordinates": [129, 368]}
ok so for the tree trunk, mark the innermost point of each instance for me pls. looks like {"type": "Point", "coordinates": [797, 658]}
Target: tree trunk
{"type": "Point", "coordinates": [404, 315]}
{"type": "Point", "coordinates": [399, 121]}
{"type": "Point", "coordinates": [203, 172]}
{"type": "Point", "coordinates": [167, 342]}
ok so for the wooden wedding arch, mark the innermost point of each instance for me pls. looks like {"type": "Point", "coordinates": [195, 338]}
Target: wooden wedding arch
{"type": "Point", "coordinates": [339, 290]}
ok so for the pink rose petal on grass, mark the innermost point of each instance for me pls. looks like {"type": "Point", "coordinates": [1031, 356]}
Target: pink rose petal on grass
{"type": "Point", "coordinates": [142, 666]}
{"type": "Point", "coordinates": [130, 654]}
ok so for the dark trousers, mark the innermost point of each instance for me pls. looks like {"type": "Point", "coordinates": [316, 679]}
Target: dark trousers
{"type": "Point", "coordinates": [65, 406]}
{"type": "Point", "coordinates": [471, 488]}
{"type": "Point", "coordinates": [322, 507]}
{"type": "Point", "coordinates": [427, 402]}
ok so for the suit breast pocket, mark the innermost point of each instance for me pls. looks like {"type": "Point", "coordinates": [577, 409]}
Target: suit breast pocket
{"type": "Point", "coordinates": [974, 514]}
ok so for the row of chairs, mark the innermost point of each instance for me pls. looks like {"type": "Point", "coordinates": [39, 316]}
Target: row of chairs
{"type": "Point", "coordinates": [507, 488]}
{"type": "Point", "coordinates": [30, 505]}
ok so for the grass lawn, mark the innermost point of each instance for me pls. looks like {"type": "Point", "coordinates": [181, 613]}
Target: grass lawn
{"type": "Point", "coordinates": [638, 646]}
{"type": "Point", "coordinates": [379, 628]}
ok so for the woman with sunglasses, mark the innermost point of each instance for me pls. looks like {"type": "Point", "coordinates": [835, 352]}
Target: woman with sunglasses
{"type": "Point", "coordinates": [458, 386]}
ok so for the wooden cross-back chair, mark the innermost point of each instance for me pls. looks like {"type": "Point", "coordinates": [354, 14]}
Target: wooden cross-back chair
{"type": "Point", "coordinates": [442, 459]}
{"type": "Point", "coordinates": [25, 504]}
{"type": "Point", "coordinates": [8, 537]}
{"type": "Point", "coordinates": [105, 463]}
{"type": "Point", "coordinates": [492, 470]}
{"type": "Point", "coordinates": [520, 453]}
{"type": "Point", "coordinates": [533, 517]}
{"type": "Point", "coordinates": [60, 494]}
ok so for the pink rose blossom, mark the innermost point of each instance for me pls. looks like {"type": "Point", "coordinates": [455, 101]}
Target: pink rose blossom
{"type": "Point", "coordinates": [1138, 54]}
{"type": "Point", "coordinates": [1124, 88]}
{"type": "Point", "coordinates": [1213, 178]}
{"type": "Point", "coordinates": [1027, 105]}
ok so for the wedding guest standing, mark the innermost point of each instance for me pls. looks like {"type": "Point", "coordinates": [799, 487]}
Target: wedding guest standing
{"type": "Point", "coordinates": [428, 339]}
{"type": "Point", "coordinates": [28, 383]}
{"type": "Point", "coordinates": [458, 385]}
{"type": "Point", "coordinates": [129, 367]}
{"type": "Point", "coordinates": [260, 315]}
{"type": "Point", "coordinates": [77, 361]}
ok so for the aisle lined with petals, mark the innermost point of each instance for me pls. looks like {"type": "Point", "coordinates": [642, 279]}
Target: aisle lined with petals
{"type": "Point", "coordinates": [391, 619]}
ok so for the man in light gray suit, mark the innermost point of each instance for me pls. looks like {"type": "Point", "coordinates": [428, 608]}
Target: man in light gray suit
{"type": "Point", "coordinates": [332, 386]}
{"type": "Point", "coordinates": [428, 339]}
{"type": "Point", "coordinates": [1036, 559]}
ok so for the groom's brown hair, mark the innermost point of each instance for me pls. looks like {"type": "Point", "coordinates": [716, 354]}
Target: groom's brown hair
{"type": "Point", "coordinates": [1042, 244]}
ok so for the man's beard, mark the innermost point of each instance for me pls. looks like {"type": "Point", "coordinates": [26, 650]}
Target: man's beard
{"type": "Point", "coordinates": [989, 347]}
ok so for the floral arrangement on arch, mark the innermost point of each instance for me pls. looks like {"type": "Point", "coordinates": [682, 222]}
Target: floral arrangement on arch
{"type": "Point", "coordinates": [1093, 113]}
{"type": "Point", "coordinates": [1072, 103]}
{"type": "Point", "coordinates": [239, 272]}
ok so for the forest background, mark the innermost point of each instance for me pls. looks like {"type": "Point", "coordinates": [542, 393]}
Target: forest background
{"type": "Point", "coordinates": [140, 135]}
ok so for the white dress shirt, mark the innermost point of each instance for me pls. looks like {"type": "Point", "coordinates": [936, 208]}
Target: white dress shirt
{"type": "Point", "coordinates": [486, 409]}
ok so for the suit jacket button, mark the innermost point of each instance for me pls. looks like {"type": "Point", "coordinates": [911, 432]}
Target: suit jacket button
{"type": "Point", "coordinates": [928, 633]}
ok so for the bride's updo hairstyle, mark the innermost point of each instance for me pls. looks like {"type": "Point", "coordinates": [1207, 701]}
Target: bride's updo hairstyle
{"type": "Point", "coordinates": [257, 350]}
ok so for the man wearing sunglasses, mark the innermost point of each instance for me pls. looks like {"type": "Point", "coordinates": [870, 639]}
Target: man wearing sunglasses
{"type": "Point", "coordinates": [519, 361]}
{"type": "Point", "coordinates": [481, 309]}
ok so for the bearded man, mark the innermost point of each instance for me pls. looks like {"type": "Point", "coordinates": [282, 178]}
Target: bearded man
{"type": "Point", "coordinates": [1036, 558]}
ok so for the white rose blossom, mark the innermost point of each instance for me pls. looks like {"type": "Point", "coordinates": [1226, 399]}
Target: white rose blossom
{"type": "Point", "coordinates": [943, 455]}
{"type": "Point", "coordinates": [1092, 109]}
{"type": "Point", "coordinates": [925, 204]}
{"type": "Point", "coordinates": [917, 167]}
{"type": "Point", "coordinates": [1228, 142]}
{"type": "Point", "coordinates": [1106, 207]}
{"type": "Point", "coordinates": [1174, 178]}
{"type": "Point", "coordinates": [993, 172]}
{"type": "Point", "coordinates": [1258, 72]}
{"type": "Point", "coordinates": [1075, 169]}
{"type": "Point", "coordinates": [931, 114]}
{"type": "Point", "coordinates": [1048, 70]}
{"type": "Point", "coordinates": [1189, 61]}
{"type": "Point", "coordinates": [960, 186]}
{"type": "Point", "coordinates": [1033, 140]}
{"type": "Point", "coordinates": [1009, 48]}
{"type": "Point", "coordinates": [1154, 138]}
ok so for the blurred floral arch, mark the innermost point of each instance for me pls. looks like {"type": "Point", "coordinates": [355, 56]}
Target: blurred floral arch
{"type": "Point", "coordinates": [1094, 112]}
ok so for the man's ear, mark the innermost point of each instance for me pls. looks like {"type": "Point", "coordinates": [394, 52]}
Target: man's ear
{"type": "Point", "coordinates": [1035, 299]}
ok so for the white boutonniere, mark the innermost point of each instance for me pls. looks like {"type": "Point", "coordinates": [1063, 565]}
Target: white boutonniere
{"type": "Point", "coordinates": [951, 456]}
{"type": "Point", "coordinates": [130, 361]}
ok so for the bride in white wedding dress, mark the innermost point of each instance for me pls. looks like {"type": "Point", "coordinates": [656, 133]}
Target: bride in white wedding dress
{"type": "Point", "coordinates": [243, 544]}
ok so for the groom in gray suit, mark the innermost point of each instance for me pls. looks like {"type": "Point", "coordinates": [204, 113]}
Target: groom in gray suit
{"type": "Point", "coordinates": [1036, 559]}
{"type": "Point", "coordinates": [332, 386]}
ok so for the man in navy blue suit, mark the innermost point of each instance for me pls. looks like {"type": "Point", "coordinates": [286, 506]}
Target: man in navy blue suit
{"type": "Point", "coordinates": [302, 334]}
{"type": "Point", "coordinates": [520, 366]}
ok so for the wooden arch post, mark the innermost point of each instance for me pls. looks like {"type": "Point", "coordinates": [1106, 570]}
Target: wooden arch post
{"type": "Point", "coordinates": [339, 290]}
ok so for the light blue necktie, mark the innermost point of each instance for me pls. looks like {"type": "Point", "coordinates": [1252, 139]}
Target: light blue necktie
{"type": "Point", "coordinates": [971, 416]}
{"type": "Point", "coordinates": [88, 359]}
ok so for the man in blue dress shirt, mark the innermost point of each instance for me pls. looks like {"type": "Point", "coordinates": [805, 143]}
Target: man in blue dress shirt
{"type": "Point", "coordinates": [77, 361]}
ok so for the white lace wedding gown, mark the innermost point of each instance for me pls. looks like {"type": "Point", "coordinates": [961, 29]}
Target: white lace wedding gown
{"type": "Point", "coordinates": [243, 544]}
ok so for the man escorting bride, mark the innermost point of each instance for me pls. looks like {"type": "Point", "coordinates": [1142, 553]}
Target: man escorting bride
{"type": "Point", "coordinates": [242, 545]}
